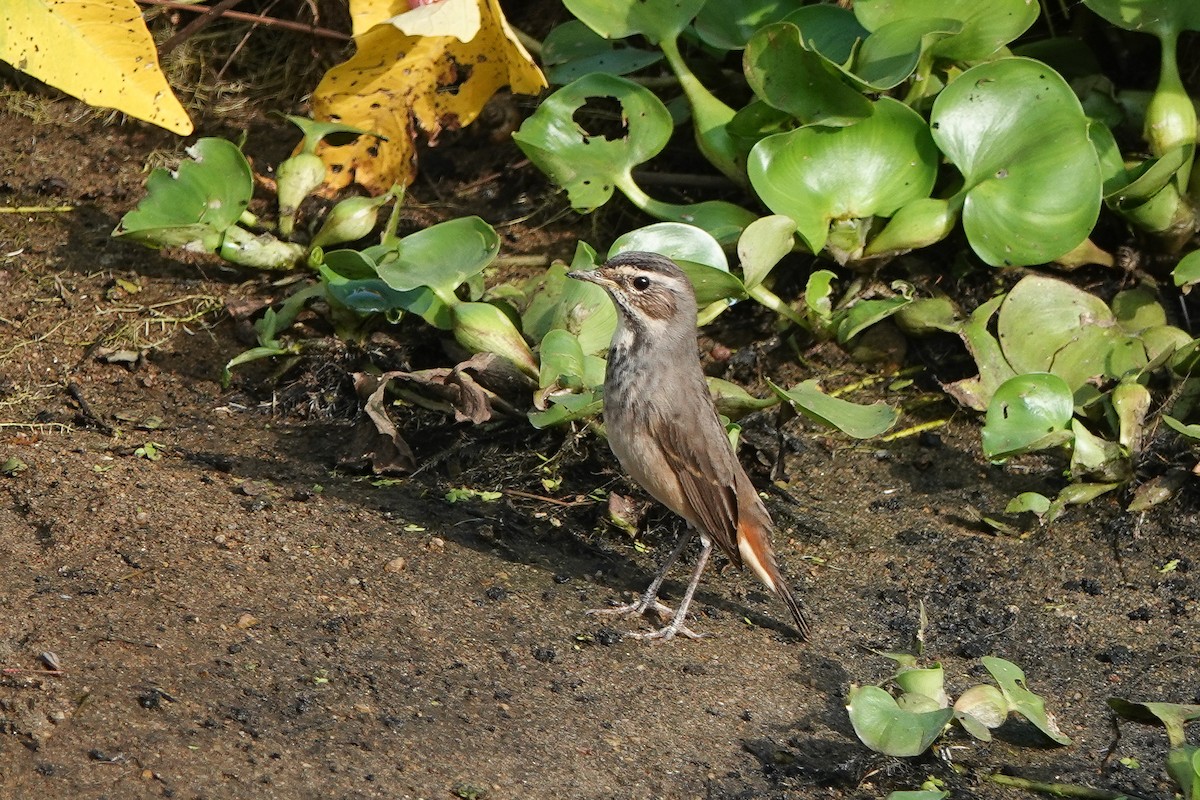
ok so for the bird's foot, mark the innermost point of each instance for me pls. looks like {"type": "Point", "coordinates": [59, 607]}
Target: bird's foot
{"type": "Point", "coordinates": [667, 633]}
{"type": "Point", "coordinates": [641, 608]}
{"type": "Point", "coordinates": [638, 608]}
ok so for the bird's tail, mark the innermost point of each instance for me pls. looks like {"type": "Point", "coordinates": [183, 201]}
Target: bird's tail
{"type": "Point", "coordinates": [754, 546]}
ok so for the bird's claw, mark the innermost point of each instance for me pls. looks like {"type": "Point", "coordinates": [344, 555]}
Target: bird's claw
{"type": "Point", "coordinates": [640, 609]}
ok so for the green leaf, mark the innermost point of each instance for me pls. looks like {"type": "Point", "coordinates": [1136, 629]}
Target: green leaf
{"type": "Point", "coordinates": [884, 727]}
{"type": "Point", "coordinates": [1028, 501]}
{"type": "Point", "coordinates": [919, 794]}
{"type": "Point", "coordinates": [764, 242]}
{"type": "Point", "coordinates": [1096, 458]}
{"type": "Point", "coordinates": [819, 175]}
{"type": "Point", "coordinates": [1077, 494]}
{"type": "Point", "coordinates": [891, 54]}
{"type": "Point", "coordinates": [1172, 716]}
{"type": "Point", "coordinates": [865, 313]}
{"type": "Point", "coordinates": [1029, 705]}
{"type": "Point", "coordinates": [861, 422]}
{"type": "Point", "coordinates": [994, 369]}
{"type": "Point", "coordinates": [1190, 431]}
{"type": "Point", "coordinates": [927, 681]}
{"type": "Point", "coordinates": [735, 402]}
{"type": "Point", "coordinates": [1049, 325]}
{"type": "Point", "coordinates": [1187, 271]}
{"type": "Point", "coordinates": [442, 256]}
{"type": "Point", "coordinates": [585, 309]}
{"type": "Point", "coordinates": [573, 50]}
{"type": "Point", "coordinates": [1027, 413]}
{"type": "Point", "coordinates": [986, 27]}
{"type": "Point", "coordinates": [1016, 131]}
{"type": "Point", "coordinates": [567, 408]}
{"type": "Point", "coordinates": [1161, 18]}
{"type": "Point", "coordinates": [590, 166]}
{"type": "Point", "coordinates": [1183, 764]}
{"type": "Point", "coordinates": [654, 19]}
{"type": "Point", "coordinates": [729, 26]}
{"type": "Point", "coordinates": [196, 204]}
{"type": "Point", "coordinates": [793, 78]}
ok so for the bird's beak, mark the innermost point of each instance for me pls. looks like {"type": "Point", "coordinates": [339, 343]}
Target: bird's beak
{"type": "Point", "coordinates": [591, 276]}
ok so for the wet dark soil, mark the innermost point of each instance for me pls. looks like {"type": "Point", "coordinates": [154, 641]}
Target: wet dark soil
{"type": "Point", "coordinates": [196, 602]}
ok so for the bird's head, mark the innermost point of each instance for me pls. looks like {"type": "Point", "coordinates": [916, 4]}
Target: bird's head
{"type": "Point", "coordinates": [649, 290]}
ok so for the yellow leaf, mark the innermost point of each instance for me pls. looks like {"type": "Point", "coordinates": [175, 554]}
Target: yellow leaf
{"type": "Point", "coordinates": [458, 18]}
{"type": "Point", "coordinates": [395, 82]}
{"type": "Point", "coordinates": [98, 51]}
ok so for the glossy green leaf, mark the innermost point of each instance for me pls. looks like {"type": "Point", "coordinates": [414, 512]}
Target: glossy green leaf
{"type": "Point", "coordinates": [859, 421]}
{"type": "Point", "coordinates": [573, 50]}
{"type": "Point", "coordinates": [1027, 413]}
{"type": "Point", "coordinates": [884, 727]}
{"type": "Point", "coordinates": [729, 26]}
{"type": "Point", "coordinates": [924, 221]}
{"type": "Point", "coordinates": [590, 166]}
{"type": "Point", "coordinates": [442, 256]}
{"type": "Point", "coordinates": [654, 19]}
{"type": "Point", "coordinates": [890, 54]}
{"type": "Point", "coordinates": [1158, 17]}
{"type": "Point", "coordinates": [1187, 271]}
{"type": "Point", "coordinates": [818, 175]}
{"type": "Point", "coordinates": [986, 27]}
{"type": "Point", "coordinates": [197, 203]}
{"type": "Point", "coordinates": [830, 30]}
{"type": "Point", "coordinates": [561, 360]}
{"type": "Point", "coordinates": [795, 79]}
{"type": "Point", "coordinates": [1011, 680]}
{"type": "Point", "coordinates": [1016, 131]}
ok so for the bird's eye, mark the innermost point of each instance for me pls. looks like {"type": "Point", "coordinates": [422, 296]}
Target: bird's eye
{"type": "Point", "coordinates": [641, 283]}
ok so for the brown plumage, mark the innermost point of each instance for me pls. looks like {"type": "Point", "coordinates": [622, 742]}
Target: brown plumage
{"type": "Point", "coordinates": [664, 429]}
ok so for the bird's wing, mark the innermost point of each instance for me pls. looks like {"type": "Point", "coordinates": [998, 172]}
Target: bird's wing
{"type": "Point", "coordinates": [707, 472]}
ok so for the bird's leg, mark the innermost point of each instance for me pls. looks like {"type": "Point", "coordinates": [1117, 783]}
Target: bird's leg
{"type": "Point", "coordinates": [649, 599]}
{"type": "Point", "coordinates": [676, 626]}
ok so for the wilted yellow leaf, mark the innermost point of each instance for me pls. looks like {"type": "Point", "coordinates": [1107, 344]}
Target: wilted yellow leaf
{"type": "Point", "coordinates": [395, 82]}
{"type": "Point", "coordinates": [98, 51]}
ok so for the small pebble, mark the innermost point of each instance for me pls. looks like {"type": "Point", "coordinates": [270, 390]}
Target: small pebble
{"type": "Point", "coordinates": [247, 620]}
{"type": "Point", "coordinates": [397, 564]}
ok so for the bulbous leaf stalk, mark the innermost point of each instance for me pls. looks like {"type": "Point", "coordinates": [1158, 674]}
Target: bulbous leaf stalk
{"type": "Point", "coordinates": [710, 116]}
{"type": "Point", "coordinates": [351, 219]}
{"type": "Point", "coordinates": [295, 179]}
{"type": "Point", "coordinates": [484, 328]}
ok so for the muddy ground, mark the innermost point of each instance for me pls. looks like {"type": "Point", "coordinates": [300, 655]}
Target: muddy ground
{"type": "Point", "coordinates": [240, 618]}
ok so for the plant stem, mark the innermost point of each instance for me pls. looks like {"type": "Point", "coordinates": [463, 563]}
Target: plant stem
{"type": "Point", "coordinates": [709, 116]}
{"type": "Point", "coordinates": [1058, 789]}
{"type": "Point", "coordinates": [766, 297]}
